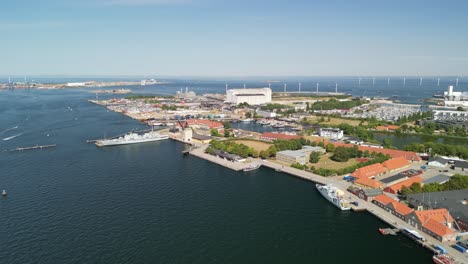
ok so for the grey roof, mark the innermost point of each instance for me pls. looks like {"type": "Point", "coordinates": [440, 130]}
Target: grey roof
{"type": "Point", "coordinates": [393, 178]}
{"type": "Point", "coordinates": [438, 159]}
{"type": "Point", "coordinates": [372, 192]}
{"type": "Point", "coordinates": [461, 164]}
{"type": "Point", "coordinates": [441, 178]}
{"type": "Point", "coordinates": [200, 137]}
{"type": "Point", "coordinates": [292, 153]}
{"type": "Point", "coordinates": [452, 200]}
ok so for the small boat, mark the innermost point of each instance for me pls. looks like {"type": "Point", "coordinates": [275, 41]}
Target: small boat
{"type": "Point", "coordinates": [442, 259]}
{"type": "Point", "coordinates": [252, 167]}
{"type": "Point", "coordinates": [4, 193]}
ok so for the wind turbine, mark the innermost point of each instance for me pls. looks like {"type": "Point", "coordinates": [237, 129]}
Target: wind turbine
{"type": "Point", "coordinates": [420, 81]}
{"type": "Point", "coordinates": [299, 87]}
{"type": "Point", "coordinates": [388, 81]}
{"type": "Point", "coordinates": [359, 81]}
{"type": "Point", "coordinates": [373, 81]}
{"type": "Point", "coordinates": [317, 88]}
{"type": "Point", "coordinates": [456, 83]}
{"type": "Point", "coordinates": [285, 85]}
{"type": "Point", "coordinates": [336, 88]}
{"type": "Point", "coordinates": [438, 81]}
{"type": "Point", "coordinates": [404, 81]}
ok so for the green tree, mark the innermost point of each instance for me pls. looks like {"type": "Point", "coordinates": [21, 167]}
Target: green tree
{"type": "Point", "coordinates": [227, 125]}
{"type": "Point", "coordinates": [314, 157]}
{"type": "Point", "coordinates": [387, 143]}
{"type": "Point", "coordinates": [263, 154]}
{"type": "Point", "coordinates": [416, 187]}
{"type": "Point", "coordinates": [214, 132]}
{"type": "Point", "coordinates": [330, 147]}
{"type": "Point", "coordinates": [248, 115]}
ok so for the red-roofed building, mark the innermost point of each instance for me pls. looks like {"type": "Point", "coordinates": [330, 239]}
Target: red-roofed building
{"type": "Point", "coordinates": [369, 171]}
{"type": "Point", "coordinates": [392, 206]}
{"type": "Point", "coordinates": [368, 183]}
{"type": "Point", "coordinates": [437, 223]}
{"type": "Point", "coordinates": [382, 200]}
{"type": "Point", "coordinates": [396, 163]}
{"type": "Point", "coordinates": [270, 137]}
{"type": "Point", "coordinates": [203, 126]}
{"type": "Point", "coordinates": [400, 210]}
{"type": "Point", "coordinates": [205, 122]}
{"type": "Point", "coordinates": [397, 187]}
{"type": "Point", "coordinates": [409, 155]}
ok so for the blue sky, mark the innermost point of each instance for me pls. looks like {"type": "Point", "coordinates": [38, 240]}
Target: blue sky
{"type": "Point", "coordinates": [234, 38]}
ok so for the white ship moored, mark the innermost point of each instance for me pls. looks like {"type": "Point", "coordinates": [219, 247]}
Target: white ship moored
{"type": "Point", "coordinates": [132, 138]}
{"type": "Point", "coordinates": [148, 82]}
{"type": "Point", "coordinates": [334, 195]}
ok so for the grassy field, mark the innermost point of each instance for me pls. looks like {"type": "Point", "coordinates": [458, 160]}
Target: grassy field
{"type": "Point", "coordinates": [257, 145]}
{"type": "Point", "coordinates": [326, 163]}
{"type": "Point", "coordinates": [335, 121]}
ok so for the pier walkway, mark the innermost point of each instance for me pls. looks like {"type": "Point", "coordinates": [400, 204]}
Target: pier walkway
{"type": "Point", "coordinates": [373, 209]}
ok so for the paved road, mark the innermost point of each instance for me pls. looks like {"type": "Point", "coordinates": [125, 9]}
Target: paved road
{"type": "Point", "coordinates": [370, 207]}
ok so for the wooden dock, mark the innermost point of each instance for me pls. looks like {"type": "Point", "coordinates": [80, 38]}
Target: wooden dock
{"type": "Point", "coordinates": [31, 148]}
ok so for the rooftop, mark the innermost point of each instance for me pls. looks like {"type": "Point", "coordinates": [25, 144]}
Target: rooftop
{"type": "Point", "coordinates": [396, 163]}
{"type": "Point", "coordinates": [440, 215]}
{"type": "Point", "coordinates": [396, 187]}
{"type": "Point", "coordinates": [455, 201]}
{"type": "Point", "coordinates": [368, 182]}
{"type": "Point", "coordinates": [369, 171]}
{"type": "Point", "coordinates": [438, 159]}
{"type": "Point", "coordinates": [401, 208]}
{"type": "Point", "coordinates": [409, 155]}
{"type": "Point", "coordinates": [437, 227]}
{"type": "Point", "coordinates": [279, 136]}
{"type": "Point", "coordinates": [384, 199]}
{"type": "Point", "coordinates": [441, 178]}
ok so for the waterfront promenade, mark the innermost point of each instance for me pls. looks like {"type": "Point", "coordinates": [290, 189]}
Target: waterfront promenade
{"type": "Point", "coordinates": [375, 210]}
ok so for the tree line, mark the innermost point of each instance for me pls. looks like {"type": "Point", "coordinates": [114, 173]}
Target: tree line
{"type": "Point", "coordinates": [439, 149]}
{"type": "Point", "coordinates": [456, 182]}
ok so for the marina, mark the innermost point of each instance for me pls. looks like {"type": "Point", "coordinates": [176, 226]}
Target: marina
{"type": "Point", "coordinates": [138, 155]}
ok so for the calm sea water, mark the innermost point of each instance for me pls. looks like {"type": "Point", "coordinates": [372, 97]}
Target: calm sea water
{"type": "Point", "coordinates": [409, 91]}
{"type": "Point", "coordinates": [146, 203]}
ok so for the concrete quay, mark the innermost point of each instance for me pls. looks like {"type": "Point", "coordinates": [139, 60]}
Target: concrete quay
{"type": "Point", "coordinates": [200, 152]}
{"type": "Point", "coordinates": [373, 209]}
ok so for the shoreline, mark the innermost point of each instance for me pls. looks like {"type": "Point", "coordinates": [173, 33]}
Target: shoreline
{"type": "Point", "coordinates": [368, 207]}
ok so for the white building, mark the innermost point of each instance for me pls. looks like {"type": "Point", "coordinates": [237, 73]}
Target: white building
{"type": "Point", "coordinates": [455, 99]}
{"type": "Point", "coordinates": [447, 115]}
{"type": "Point", "coordinates": [265, 114]}
{"type": "Point", "coordinates": [332, 133]}
{"type": "Point", "coordinates": [437, 162]}
{"type": "Point", "coordinates": [300, 156]}
{"type": "Point", "coordinates": [254, 96]}
{"type": "Point", "coordinates": [76, 84]}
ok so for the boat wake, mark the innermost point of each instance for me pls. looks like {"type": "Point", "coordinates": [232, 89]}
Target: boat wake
{"type": "Point", "coordinates": [12, 137]}
{"type": "Point", "coordinates": [8, 129]}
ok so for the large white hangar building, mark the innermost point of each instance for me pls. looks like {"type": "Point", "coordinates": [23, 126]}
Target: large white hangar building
{"type": "Point", "coordinates": [252, 96]}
